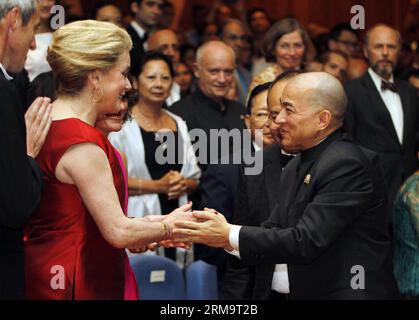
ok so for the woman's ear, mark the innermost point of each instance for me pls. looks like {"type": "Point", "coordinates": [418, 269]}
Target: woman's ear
{"type": "Point", "coordinates": [94, 78]}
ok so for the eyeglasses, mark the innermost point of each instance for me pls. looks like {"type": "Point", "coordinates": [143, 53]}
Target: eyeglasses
{"type": "Point", "coordinates": [348, 43]}
{"type": "Point", "coordinates": [261, 117]}
{"type": "Point", "coordinates": [235, 37]}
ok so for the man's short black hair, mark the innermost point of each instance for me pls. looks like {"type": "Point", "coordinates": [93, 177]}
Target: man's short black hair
{"type": "Point", "coordinates": [256, 90]}
{"type": "Point", "coordinates": [325, 57]}
{"type": "Point", "coordinates": [339, 28]}
{"type": "Point", "coordinates": [253, 11]}
{"type": "Point", "coordinates": [101, 4]}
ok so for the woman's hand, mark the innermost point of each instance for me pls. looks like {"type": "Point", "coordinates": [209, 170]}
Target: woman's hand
{"type": "Point", "coordinates": [178, 186]}
{"type": "Point", "coordinates": [165, 182]}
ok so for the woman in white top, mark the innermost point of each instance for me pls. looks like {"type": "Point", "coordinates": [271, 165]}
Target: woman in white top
{"type": "Point", "coordinates": [156, 185]}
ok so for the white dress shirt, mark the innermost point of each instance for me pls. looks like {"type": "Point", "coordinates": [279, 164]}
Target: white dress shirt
{"type": "Point", "coordinates": [174, 94]}
{"type": "Point", "coordinates": [6, 75]}
{"type": "Point", "coordinates": [36, 60]}
{"type": "Point", "coordinates": [280, 282]}
{"type": "Point", "coordinates": [393, 103]}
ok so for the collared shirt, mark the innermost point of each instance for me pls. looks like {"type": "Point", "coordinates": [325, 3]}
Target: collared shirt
{"type": "Point", "coordinates": [174, 94]}
{"type": "Point", "coordinates": [392, 101]}
{"type": "Point", "coordinates": [6, 75]}
{"type": "Point", "coordinates": [141, 32]}
{"type": "Point", "coordinates": [280, 281]}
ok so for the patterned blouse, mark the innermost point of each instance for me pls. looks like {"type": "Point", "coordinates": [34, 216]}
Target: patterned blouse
{"type": "Point", "coordinates": [406, 237]}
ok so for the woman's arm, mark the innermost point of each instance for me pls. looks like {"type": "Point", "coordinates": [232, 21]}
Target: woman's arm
{"type": "Point", "coordinates": [86, 166]}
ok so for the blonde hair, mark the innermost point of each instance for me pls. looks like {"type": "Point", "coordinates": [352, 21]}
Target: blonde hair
{"type": "Point", "coordinates": [82, 47]}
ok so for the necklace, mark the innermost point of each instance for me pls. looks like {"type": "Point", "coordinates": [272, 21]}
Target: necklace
{"type": "Point", "coordinates": [157, 135]}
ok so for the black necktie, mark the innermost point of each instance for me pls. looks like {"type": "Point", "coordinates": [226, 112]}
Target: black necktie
{"type": "Point", "coordinates": [145, 37]}
{"type": "Point", "coordinates": [386, 85]}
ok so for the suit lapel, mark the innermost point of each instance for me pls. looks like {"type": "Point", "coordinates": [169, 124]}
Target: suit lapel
{"type": "Point", "coordinates": [272, 179]}
{"type": "Point", "coordinates": [378, 104]}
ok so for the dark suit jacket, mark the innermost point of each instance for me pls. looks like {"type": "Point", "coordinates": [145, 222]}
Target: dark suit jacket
{"type": "Point", "coordinates": [218, 190]}
{"type": "Point", "coordinates": [20, 190]}
{"type": "Point", "coordinates": [202, 112]}
{"type": "Point", "coordinates": [370, 124]}
{"type": "Point", "coordinates": [257, 197]}
{"type": "Point", "coordinates": [137, 50]}
{"type": "Point", "coordinates": [327, 223]}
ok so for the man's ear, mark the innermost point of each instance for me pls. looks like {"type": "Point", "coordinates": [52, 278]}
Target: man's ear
{"type": "Point", "coordinates": [13, 18]}
{"type": "Point", "coordinates": [196, 70]}
{"type": "Point", "coordinates": [325, 117]}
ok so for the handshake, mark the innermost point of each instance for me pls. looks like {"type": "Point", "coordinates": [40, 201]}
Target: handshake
{"type": "Point", "coordinates": [184, 227]}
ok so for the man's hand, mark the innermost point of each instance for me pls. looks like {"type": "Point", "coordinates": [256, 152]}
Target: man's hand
{"type": "Point", "coordinates": [38, 122]}
{"type": "Point", "coordinates": [210, 228]}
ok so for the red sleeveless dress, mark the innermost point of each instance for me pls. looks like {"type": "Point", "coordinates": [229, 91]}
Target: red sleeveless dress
{"type": "Point", "coordinates": [66, 256]}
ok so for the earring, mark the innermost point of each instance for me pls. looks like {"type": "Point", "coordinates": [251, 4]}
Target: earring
{"type": "Point", "coordinates": [100, 94]}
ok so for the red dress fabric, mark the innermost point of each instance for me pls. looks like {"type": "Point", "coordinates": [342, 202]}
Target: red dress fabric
{"type": "Point", "coordinates": [131, 288]}
{"type": "Point", "coordinates": [66, 256]}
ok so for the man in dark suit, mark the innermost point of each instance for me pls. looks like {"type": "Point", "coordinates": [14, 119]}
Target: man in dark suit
{"type": "Point", "coordinates": [331, 227]}
{"type": "Point", "coordinates": [147, 15]}
{"type": "Point", "coordinates": [257, 196]}
{"type": "Point", "coordinates": [382, 112]}
{"type": "Point", "coordinates": [220, 182]}
{"type": "Point", "coordinates": [21, 178]}
{"type": "Point", "coordinates": [208, 108]}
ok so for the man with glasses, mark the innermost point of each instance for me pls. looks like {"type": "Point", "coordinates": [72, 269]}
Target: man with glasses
{"type": "Point", "coordinates": [257, 195]}
{"type": "Point", "coordinates": [343, 38]}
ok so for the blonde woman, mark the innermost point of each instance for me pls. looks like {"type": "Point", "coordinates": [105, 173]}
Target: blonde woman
{"type": "Point", "coordinates": [76, 240]}
{"type": "Point", "coordinates": [157, 188]}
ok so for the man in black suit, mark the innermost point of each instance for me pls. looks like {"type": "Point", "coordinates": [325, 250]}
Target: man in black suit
{"type": "Point", "coordinates": [331, 227]}
{"type": "Point", "coordinates": [257, 196]}
{"type": "Point", "coordinates": [208, 108]}
{"type": "Point", "coordinates": [220, 182]}
{"type": "Point", "coordinates": [21, 178]}
{"type": "Point", "coordinates": [147, 15]}
{"type": "Point", "coordinates": [382, 112]}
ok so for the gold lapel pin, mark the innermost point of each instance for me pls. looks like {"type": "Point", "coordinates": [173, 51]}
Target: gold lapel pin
{"type": "Point", "coordinates": [307, 179]}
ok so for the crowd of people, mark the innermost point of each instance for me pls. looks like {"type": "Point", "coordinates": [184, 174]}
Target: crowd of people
{"type": "Point", "coordinates": [90, 110]}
